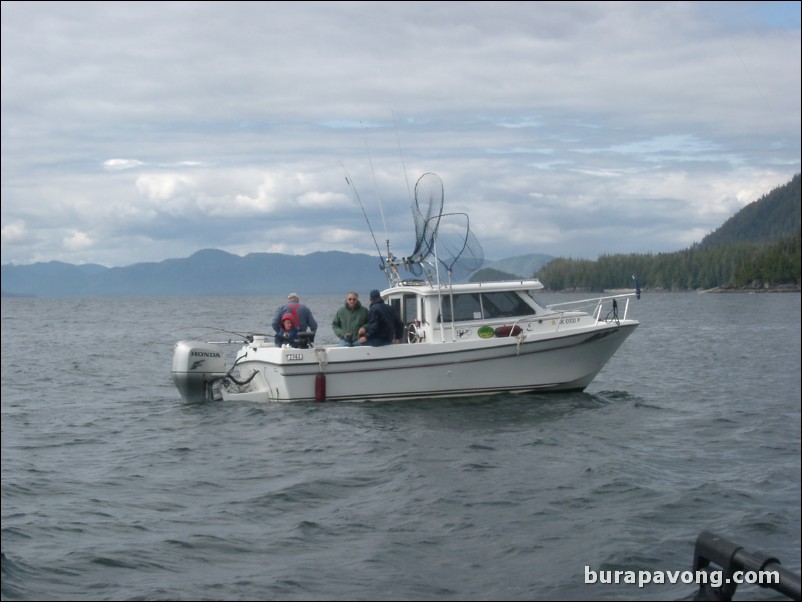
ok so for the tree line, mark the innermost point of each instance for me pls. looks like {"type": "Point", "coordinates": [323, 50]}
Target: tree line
{"type": "Point", "coordinates": [758, 247]}
{"type": "Point", "coordinates": [731, 265]}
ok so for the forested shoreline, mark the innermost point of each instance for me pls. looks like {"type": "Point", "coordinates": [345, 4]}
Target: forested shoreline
{"type": "Point", "coordinates": [747, 266]}
{"type": "Point", "coordinates": [757, 249]}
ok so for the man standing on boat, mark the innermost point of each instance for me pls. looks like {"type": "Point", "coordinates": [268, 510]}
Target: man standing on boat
{"type": "Point", "coordinates": [349, 319]}
{"type": "Point", "coordinates": [301, 314]}
{"type": "Point", "coordinates": [384, 326]}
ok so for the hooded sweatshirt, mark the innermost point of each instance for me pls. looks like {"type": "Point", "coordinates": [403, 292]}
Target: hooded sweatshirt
{"type": "Point", "coordinates": [284, 336]}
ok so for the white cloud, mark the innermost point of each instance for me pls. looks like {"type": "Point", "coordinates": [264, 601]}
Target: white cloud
{"type": "Point", "coordinates": [120, 164]}
{"type": "Point", "coordinates": [140, 131]}
{"type": "Point", "coordinates": [13, 232]}
{"type": "Point", "coordinates": [163, 187]}
{"type": "Point", "coordinates": [78, 241]}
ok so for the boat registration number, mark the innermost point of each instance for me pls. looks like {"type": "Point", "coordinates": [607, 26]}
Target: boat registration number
{"type": "Point", "coordinates": [294, 356]}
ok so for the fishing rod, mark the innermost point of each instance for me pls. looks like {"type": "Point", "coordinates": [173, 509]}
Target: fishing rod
{"type": "Point", "coordinates": [239, 334]}
{"type": "Point", "coordinates": [247, 338]}
{"type": "Point", "coordinates": [390, 259]}
{"type": "Point", "coordinates": [356, 194]}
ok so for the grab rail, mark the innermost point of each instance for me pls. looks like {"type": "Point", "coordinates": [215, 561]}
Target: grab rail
{"type": "Point", "coordinates": [598, 302]}
{"type": "Point", "coordinates": [593, 300]}
{"type": "Point", "coordinates": [733, 558]}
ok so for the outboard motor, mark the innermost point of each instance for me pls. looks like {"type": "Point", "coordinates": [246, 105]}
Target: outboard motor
{"type": "Point", "coordinates": [196, 365]}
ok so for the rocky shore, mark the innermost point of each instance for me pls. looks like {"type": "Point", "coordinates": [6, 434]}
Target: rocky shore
{"type": "Point", "coordinates": [757, 286]}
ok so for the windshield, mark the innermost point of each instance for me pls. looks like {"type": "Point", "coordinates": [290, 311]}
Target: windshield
{"type": "Point", "coordinates": [485, 306]}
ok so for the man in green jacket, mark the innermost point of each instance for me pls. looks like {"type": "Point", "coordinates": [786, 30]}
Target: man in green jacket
{"type": "Point", "coordinates": [349, 319]}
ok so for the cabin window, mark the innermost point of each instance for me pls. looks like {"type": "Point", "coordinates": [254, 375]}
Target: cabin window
{"type": "Point", "coordinates": [466, 307]}
{"type": "Point", "coordinates": [484, 306]}
{"type": "Point", "coordinates": [410, 308]}
{"type": "Point", "coordinates": [395, 303]}
{"type": "Point", "coordinates": [505, 305]}
{"type": "Point", "coordinates": [537, 301]}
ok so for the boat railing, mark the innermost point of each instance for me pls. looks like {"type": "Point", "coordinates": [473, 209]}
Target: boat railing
{"type": "Point", "coordinates": [713, 551]}
{"type": "Point", "coordinates": [596, 307]}
{"type": "Point", "coordinates": [602, 309]}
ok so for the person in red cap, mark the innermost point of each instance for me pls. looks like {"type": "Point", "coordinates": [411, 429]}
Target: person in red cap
{"type": "Point", "coordinates": [288, 332]}
{"type": "Point", "coordinates": [301, 315]}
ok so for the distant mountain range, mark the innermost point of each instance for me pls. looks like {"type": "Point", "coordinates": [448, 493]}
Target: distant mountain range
{"type": "Point", "coordinates": [212, 272]}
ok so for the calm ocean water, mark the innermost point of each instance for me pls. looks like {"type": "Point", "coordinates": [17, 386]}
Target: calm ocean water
{"type": "Point", "coordinates": [113, 489]}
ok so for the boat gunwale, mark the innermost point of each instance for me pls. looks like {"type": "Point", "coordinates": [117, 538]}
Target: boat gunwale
{"type": "Point", "coordinates": [432, 357]}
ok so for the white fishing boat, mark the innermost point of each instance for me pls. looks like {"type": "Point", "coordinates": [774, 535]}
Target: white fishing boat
{"type": "Point", "coordinates": [462, 339]}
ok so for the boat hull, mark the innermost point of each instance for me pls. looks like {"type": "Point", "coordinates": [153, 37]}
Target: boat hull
{"type": "Point", "coordinates": [451, 369]}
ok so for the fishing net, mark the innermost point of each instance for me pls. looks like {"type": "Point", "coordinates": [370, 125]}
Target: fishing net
{"type": "Point", "coordinates": [447, 237]}
{"type": "Point", "coordinates": [426, 210]}
{"type": "Point", "coordinates": [456, 247]}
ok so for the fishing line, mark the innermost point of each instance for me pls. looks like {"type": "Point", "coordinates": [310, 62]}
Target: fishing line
{"type": "Point", "coordinates": [356, 194]}
{"type": "Point", "coordinates": [375, 185]}
{"type": "Point", "coordinates": [247, 337]}
{"type": "Point", "coordinates": [403, 165]}
{"type": "Point", "coordinates": [757, 87]}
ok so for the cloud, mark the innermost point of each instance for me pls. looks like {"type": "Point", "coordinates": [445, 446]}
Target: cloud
{"type": "Point", "coordinates": [13, 232]}
{"type": "Point", "coordinates": [143, 131]}
{"type": "Point", "coordinates": [120, 164]}
{"type": "Point", "coordinates": [78, 241]}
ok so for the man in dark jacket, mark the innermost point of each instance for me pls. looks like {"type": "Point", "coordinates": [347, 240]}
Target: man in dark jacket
{"type": "Point", "coordinates": [384, 326]}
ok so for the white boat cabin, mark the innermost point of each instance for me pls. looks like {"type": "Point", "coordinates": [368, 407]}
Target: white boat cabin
{"type": "Point", "coordinates": [465, 309]}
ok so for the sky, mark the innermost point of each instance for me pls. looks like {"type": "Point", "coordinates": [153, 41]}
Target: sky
{"type": "Point", "coordinates": [142, 131]}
